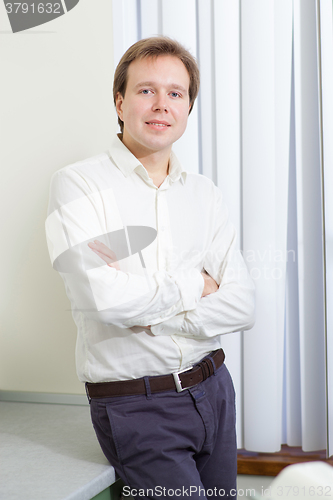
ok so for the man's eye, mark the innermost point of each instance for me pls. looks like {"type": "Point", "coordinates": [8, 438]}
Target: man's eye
{"type": "Point", "coordinates": [145, 91]}
{"type": "Point", "coordinates": [175, 94]}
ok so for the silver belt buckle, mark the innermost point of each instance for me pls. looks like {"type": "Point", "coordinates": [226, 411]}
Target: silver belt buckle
{"type": "Point", "coordinates": [178, 381]}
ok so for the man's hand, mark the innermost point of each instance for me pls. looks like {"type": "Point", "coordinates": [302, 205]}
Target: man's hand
{"type": "Point", "coordinates": [210, 284]}
{"type": "Point", "coordinates": [110, 258]}
{"type": "Point", "coordinates": [104, 253]}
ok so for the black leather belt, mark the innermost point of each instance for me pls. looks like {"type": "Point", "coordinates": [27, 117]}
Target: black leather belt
{"type": "Point", "coordinates": [178, 381]}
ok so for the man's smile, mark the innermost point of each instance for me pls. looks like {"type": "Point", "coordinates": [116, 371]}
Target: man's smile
{"type": "Point", "coordinates": [158, 123]}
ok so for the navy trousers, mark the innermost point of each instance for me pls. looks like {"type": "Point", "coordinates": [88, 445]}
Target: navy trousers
{"type": "Point", "coordinates": [172, 445]}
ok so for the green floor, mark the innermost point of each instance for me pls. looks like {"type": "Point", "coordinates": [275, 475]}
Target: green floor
{"type": "Point", "coordinates": [103, 495]}
{"type": "Point", "coordinates": [111, 493]}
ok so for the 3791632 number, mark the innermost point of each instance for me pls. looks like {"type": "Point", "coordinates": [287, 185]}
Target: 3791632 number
{"type": "Point", "coordinates": [40, 8]}
{"type": "Point", "coordinates": [295, 491]}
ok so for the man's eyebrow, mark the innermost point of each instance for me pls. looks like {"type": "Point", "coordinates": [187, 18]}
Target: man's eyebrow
{"type": "Point", "coordinates": [152, 84]}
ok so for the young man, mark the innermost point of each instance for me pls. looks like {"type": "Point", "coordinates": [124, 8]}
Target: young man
{"type": "Point", "coordinates": [149, 260]}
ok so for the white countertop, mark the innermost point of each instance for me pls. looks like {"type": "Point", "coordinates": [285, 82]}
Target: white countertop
{"type": "Point", "coordinates": [50, 452]}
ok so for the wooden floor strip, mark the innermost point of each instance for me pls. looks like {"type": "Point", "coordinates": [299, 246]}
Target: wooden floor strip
{"type": "Point", "coordinates": [270, 464]}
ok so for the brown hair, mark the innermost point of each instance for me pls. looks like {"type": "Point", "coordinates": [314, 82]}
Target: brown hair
{"type": "Point", "coordinates": [154, 47]}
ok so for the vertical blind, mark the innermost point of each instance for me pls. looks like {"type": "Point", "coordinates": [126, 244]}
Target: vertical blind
{"type": "Point", "coordinates": [262, 130]}
{"type": "Point", "coordinates": [325, 44]}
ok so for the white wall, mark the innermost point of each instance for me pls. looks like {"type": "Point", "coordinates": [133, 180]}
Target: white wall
{"type": "Point", "coordinates": [56, 108]}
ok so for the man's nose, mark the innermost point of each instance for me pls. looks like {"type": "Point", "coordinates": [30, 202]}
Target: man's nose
{"type": "Point", "coordinates": [160, 103]}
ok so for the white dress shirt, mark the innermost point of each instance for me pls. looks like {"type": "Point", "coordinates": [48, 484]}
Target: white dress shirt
{"type": "Point", "coordinates": [163, 238]}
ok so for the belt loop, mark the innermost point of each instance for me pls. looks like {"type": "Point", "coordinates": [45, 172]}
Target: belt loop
{"type": "Point", "coordinates": [148, 389]}
{"type": "Point", "coordinates": [87, 392]}
{"type": "Point", "coordinates": [214, 367]}
{"type": "Point", "coordinates": [204, 368]}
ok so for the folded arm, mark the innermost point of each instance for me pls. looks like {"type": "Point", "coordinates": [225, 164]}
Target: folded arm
{"type": "Point", "coordinates": [103, 292]}
{"type": "Point", "coordinates": [110, 258]}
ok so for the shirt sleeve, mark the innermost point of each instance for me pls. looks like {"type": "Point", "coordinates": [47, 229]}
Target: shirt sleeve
{"type": "Point", "coordinates": [105, 294]}
{"type": "Point", "coordinates": [232, 307]}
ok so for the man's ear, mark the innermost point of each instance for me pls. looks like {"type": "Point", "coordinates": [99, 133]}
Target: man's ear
{"type": "Point", "coordinates": [119, 105]}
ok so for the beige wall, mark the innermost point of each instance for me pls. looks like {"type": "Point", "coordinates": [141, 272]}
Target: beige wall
{"type": "Point", "coordinates": [56, 108]}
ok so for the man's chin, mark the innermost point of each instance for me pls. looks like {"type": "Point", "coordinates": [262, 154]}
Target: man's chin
{"type": "Point", "coordinates": [160, 144]}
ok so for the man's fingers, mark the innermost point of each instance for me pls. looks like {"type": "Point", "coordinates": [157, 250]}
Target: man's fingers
{"type": "Point", "coordinates": [101, 255]}
{"type": "Point", "coordinates": [104, 253]}
{"type": "Point", "coordinates": [97, 245]}
{"type": "Point", "coordinates": [114, 264]}
{"type": "Point", "coordinates": [210, 285]}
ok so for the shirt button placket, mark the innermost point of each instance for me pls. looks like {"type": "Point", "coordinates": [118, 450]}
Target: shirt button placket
{"type": "Point", "coordinates": [163, 233]}
{"type": "Point", "coordinates": [158, 224]}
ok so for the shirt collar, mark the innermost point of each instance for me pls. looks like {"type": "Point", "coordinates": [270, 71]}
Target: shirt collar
{"type": "Point", "coordinates": [127, 162]}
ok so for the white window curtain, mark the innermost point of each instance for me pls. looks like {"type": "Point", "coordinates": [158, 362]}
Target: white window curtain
{"type": "Point", "coordinates": [262, 130]}
{"type": "Point", "coordinates": [325, 43]}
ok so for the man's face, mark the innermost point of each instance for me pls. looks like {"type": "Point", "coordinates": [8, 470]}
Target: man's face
{"type": "Point", "coordinates": [156, 104]}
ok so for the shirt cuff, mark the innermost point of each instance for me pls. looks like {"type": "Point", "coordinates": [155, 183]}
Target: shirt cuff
{"type": "Point", "coordinates": [170, 326]}
{"type": "Point", "coordinates": [191, 284]}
